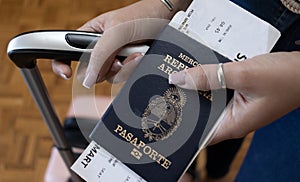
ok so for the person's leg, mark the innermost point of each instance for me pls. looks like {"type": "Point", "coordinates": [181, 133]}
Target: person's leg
{"type": "Point", "coordinates": [274, 154]}
{"type": "Point", "coordinates": [220, 156]}
{"type": "Point", "coordinates": [191, 174]}
{"type": "Point", "coordinates": [82, 110]}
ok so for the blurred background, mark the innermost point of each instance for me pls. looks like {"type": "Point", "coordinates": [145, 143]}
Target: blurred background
{"type": "Point", "coordinates": [25, 143]}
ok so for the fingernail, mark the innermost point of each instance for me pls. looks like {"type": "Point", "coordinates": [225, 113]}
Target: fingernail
{"type": "Point", "coordinates": [64, 76]}
{"type": "Point", "coordinates": [88, 81]}
{"type": "Point", "coordinates": [138, 59]}
{"type": "Point", "coordinates": [177, 78]}
{"type": "Point", "coordinates": [116, 66]}
{"type": "Point", "coordinates": [119, 64]}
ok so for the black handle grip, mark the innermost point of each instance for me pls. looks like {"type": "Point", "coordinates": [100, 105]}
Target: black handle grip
{"type": "Point", "coordinates": [27, 58]}
{"type": "Point", "coordinates": [81, 41]}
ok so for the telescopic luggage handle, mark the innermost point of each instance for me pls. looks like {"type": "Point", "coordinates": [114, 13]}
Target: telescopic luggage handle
{"type": "Point", "coordinates": [26, 48]}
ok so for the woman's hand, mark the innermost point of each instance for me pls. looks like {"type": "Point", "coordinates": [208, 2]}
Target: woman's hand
{"type": "Point", "coordinates": [139, 21]}
{"type": "Point", "coordinates": [266, 88]}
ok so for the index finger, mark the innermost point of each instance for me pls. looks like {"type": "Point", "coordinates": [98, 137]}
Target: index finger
{"type": "Point", "coordinates": [113, 39]}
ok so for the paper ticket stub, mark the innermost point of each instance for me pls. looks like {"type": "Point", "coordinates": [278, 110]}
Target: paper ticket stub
{"type": "Point", "coordinates": [95, 164]}
{"type": "Point", "coordinates": [227, 29]}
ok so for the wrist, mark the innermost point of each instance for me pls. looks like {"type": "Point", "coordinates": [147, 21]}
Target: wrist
{"type": "Point", "coordinates": [160, 10]}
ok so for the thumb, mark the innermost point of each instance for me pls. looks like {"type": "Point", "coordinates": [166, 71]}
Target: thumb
{"type": "Point", "coordinates": [209, 77]}
{"type": "Point", "coordinates": [94, 25]}
{"type": "Point", "coordinates": [126, 70]}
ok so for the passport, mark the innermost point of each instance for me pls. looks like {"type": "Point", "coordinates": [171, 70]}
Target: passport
{"type": "Point", "coordinates": [157, 129]}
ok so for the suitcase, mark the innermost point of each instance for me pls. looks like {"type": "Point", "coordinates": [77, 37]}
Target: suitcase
{"type": "Point", "coordinates": [25, 49]}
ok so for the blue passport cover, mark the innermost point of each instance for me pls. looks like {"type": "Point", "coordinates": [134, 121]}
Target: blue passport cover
{"type": "Point", "coordinates": [153, 127]}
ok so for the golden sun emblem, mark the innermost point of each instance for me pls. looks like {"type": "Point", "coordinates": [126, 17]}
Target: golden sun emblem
{"type": "Point", "coordinates": [163, 115]}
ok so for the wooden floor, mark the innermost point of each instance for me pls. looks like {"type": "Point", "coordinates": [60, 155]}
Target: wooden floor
{"type": "Point", "coordinates": [25, 142]}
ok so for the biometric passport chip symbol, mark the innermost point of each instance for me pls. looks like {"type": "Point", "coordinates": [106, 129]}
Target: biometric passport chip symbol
{"type": "Point", "coordinates": [136, 154]}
